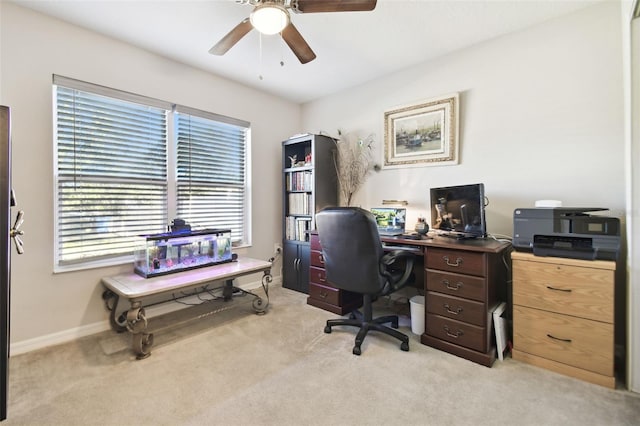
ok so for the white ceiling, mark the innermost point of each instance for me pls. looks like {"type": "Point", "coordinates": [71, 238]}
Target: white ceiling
{"type": "Point", "coordinates": [351, 47]}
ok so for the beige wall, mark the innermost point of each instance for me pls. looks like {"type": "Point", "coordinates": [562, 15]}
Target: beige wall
{"type": "Point", "coordinates": [541, 117]}
{"type": "Point", "coordinates": [49, 307]}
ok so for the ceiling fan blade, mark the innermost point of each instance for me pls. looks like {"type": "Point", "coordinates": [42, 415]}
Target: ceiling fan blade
{"type": "Point", "coordinates": [232, 37]}
{"type": "Point", "coordinates": [316, 6]}
{"type": "Point", "coordinates": [298, 44]}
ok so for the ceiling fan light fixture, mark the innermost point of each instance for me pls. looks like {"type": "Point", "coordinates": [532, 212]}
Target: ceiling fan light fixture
{"type": "Point", "coordinates": [269, 18]}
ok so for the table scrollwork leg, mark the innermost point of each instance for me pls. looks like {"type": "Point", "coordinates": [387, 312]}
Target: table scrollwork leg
{"type": "Point", "coordinates": [111, 303]}
{"type": "Point", "coordinates": [137, 324]}
{"type": "Point", "coordinates": [142, 343]}
{"type": "Point", "coordinates": [259, 304]}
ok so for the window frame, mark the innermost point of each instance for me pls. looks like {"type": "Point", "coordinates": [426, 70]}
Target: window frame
{"type": "Point", "coordinates": [171, 160]}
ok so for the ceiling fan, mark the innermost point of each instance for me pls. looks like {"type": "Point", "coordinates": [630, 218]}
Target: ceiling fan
{"type": "Point", "coordinates": [272, 16]}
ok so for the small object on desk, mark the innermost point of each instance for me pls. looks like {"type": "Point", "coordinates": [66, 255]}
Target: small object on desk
{"type": "Point", "coordinates": [411, 236]}
{"type": "Point", "coordinates": [422, 227]}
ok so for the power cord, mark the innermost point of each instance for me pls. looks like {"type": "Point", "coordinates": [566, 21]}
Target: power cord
{"type": "Point", "coordinates": [501, 237]}
{"type": "Point", "coordinates": [276, 255]}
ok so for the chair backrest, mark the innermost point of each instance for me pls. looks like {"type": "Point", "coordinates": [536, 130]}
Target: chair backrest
{"type": "Point", "coordinates": [351, 249]}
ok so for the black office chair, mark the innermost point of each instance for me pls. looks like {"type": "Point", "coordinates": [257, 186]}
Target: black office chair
{"type": "Point", "coordinates": [355, 261]}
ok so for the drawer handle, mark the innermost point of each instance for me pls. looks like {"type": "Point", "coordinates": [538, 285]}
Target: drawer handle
{"type": "Point", "coordinates": [450, 334]}
{"type": "Point", "coordinates": [321, 259]}
{"type": "Point", "coordinates": [557, 338]}
{"type": "Point", "coordinates": [566, 290]}
{"type": "Point", "coordinates": [323, 294]}
{"type": "Point", "coordinates": [455, 265]}
{"type": "Point", "coordinates": [322, 280]}
{"type": "Point", "coordinates": [448, 308]}
{"type": "Point", "coordinates": [448, 285]}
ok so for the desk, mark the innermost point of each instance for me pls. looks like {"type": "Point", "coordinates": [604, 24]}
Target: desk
{"type": "Point", "coordinates": [137, 289]}
{"type": "Point", "coordinates": [464, 281]}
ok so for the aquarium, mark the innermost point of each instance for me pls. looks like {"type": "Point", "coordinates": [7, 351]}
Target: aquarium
{"type": "Point", "coordinates": [171, 252]}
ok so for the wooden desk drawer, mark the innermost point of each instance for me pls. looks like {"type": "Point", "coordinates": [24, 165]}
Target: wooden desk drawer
{"type": "Point", "coordinates": [314, 241]}
{"type": "Point", "coordinates": [460, 333]}
{"type": "Point", "coordinates": [457, 308]}
{"type": "Point", "coordinates": [457, 285]}
{"type": "Point", "coordinates": [317, 259]}
{"type": "Point", "coordinates": [326, 294]}
{"type": "Point", "coordinates": [458, 261]}
{"type": "Point", "coordinates": [318, 276]}
{"type": "Point", "coordinates": [573, 341]}
{"type": "Point", "coordinates": [571, 290]}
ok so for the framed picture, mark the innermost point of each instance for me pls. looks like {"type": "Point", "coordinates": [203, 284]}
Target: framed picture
{"type": "Point", "coordinates": [424, 134]}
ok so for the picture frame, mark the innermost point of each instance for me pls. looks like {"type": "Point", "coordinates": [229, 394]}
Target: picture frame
{"type": "Point", "coordinates": [423, 134]}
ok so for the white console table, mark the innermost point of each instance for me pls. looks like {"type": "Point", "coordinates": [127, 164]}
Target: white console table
{"type": "Point", "coordinates": [136, 289]}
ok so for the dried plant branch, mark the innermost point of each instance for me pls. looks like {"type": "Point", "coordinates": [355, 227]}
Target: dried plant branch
{"type": "Point", "coordinates": [353, 160]}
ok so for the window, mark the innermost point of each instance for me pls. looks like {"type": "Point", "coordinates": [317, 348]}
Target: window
{"type": "Point", "coordinates": [211, 172]}
{"type": "Point", "coordinates": [125, 164]}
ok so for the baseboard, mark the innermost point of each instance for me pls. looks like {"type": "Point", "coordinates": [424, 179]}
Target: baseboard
{"type": "Point", "coordinates": [64, 336]}
{"type": "Point", "coordinates": [72, 334]}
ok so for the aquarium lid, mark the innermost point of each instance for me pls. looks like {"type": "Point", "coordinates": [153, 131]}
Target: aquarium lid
{"type": "Point", "coordinates": [185, 233]}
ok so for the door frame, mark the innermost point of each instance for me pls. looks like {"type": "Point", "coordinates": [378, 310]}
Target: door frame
{"type": "Point", "coordinates": [631, 61]}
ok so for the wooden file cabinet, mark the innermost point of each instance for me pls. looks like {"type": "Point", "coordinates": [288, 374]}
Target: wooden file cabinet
{"type": "Point", "coordinates": [563, 316]}
{"type": "Point", "coordinates": [464, 283]}
{"type": "Point", "coordinates": [321, 293]}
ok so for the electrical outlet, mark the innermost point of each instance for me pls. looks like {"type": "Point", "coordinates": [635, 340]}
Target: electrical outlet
{"type": "Point", "coordinates": [277, 247]}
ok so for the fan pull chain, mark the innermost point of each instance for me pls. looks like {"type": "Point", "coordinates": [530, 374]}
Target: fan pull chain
{"type": "Point", "coordinates": [260, 56]}
{"type": "Point", "coordinates": [281, 54]}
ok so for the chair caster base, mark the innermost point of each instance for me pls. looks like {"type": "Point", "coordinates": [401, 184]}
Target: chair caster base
{"type": "Point", "coordinates": [357, 350]}
{"type": "Point", "coordinates": [404, 346]}
{"type": "Point", "coordinates": [327, 329]}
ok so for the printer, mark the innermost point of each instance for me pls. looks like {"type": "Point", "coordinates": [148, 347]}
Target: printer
{"type": "Point", "coordinates": [566, 232]}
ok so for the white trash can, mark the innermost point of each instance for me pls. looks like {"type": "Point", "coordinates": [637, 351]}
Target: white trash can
{"type": "Point", "coordinates": [416, 304]}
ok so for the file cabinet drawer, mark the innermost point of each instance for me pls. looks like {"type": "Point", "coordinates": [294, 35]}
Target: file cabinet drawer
{"type": "Point", "coordinates": [460, 333]}
{"type": "Point", "coordinates": [318, 276]}
{"type": "Point", "coordinates": [581, 292]}
{"type": "Point", "coordinates": [458, 261]}
{"type": "Point", "coordinates": [314, 241]}
{"type": "Point", "coordinates": [456, 285]}
{"type": "Point", "coordinates": [570, 340]}
{"type": "Point", "coordinates": [324, 293]}
{"type": "Point", "coordinates": [317, 259]}
{"type": "Point", "coordinates": [456, 308]}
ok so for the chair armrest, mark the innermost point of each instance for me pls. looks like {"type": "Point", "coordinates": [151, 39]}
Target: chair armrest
{"type": "Point", "coordinates": [392, 257]}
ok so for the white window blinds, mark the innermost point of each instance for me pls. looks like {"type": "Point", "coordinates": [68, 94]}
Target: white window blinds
{"type": "Point", "coordinates": [111, 174]}
{"type": "Point", "coordinates": [211, 172]}
{"type": "Point", "coordinates": [126, 164]}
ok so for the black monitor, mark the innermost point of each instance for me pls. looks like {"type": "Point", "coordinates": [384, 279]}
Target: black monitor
{"type": "Point", "coordinates": [458, 211]}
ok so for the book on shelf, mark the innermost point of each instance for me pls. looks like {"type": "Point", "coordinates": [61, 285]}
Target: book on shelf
{"type": "Point", "coordinates": [299, 181]}
{"type": "Point", "coordinates": [297, 228]}
{"type": "Point", "coordinates": [299, 203]}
